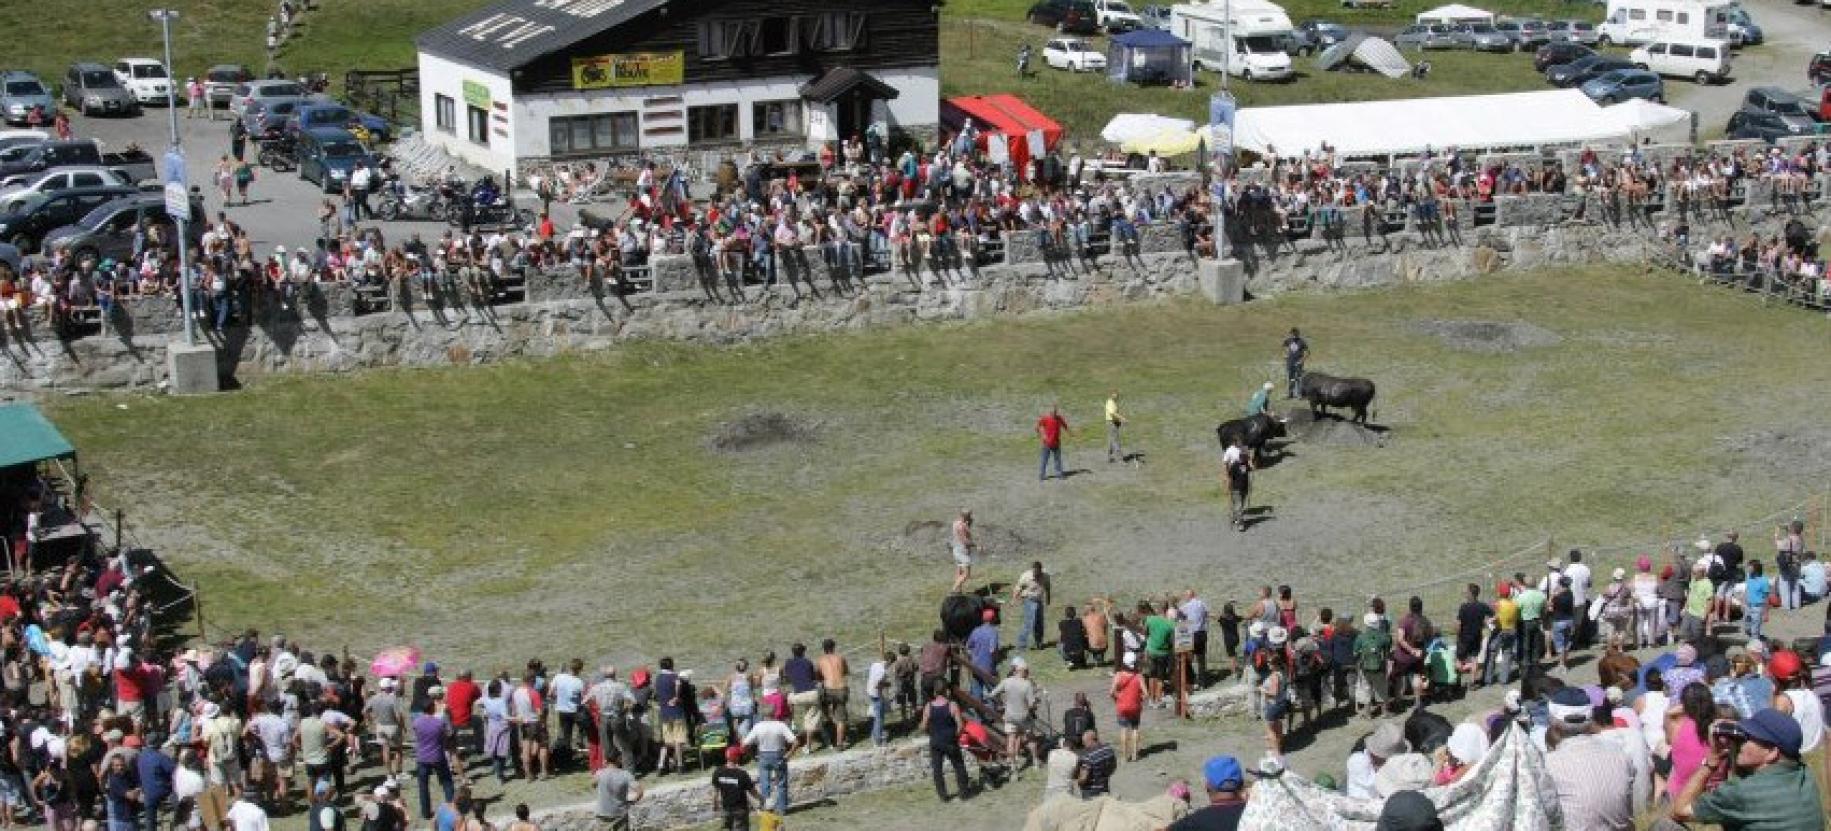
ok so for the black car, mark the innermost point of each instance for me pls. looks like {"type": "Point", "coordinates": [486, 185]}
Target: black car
{"type": "Point", "coordinates": [1072, 16]}
{"type": "Point", "coordinates": [28, 225]}
{"type": "Point", "coordinates": [1758, 125]}
{"type": "Point", "coordinates": [1819, 70]}
{"type": "Point", "coordinates": [1573, 74]}
{"type": "Point", "coordinates": [1558, 52]}
{"type": "Point", "coordinates": [108, 231]}
{"type": "Point", "coordinates": [1791, 108]}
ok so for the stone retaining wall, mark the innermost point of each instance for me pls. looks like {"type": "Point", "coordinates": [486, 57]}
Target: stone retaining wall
{"type": "Point", "coordinates": [564, 313]}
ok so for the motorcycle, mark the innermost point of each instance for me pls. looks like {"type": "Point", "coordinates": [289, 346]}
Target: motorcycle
{"type": "Point", "coordinates": [278, 154]}
{"type": "Point", "coordinates": [484, 210]}
{"type": "Point", "coordinates": [402, 201]}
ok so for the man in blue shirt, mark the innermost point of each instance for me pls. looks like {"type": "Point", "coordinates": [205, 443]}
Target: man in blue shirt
{"type": "Point", "coordinates": [1755, 592]}
{"type": "Point", "coordinates": [156, 770]}
{"type": "Point", "coordinates": [982, 647]}
{"type": "Point", "coordinates": [1261, 401]}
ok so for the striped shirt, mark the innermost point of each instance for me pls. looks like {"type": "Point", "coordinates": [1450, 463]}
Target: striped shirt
{"type": "Point", "coordinates": [1595, 783]}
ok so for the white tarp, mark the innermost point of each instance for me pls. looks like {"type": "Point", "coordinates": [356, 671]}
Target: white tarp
{"type": "Point", "coordinates": [1127, 126]}
{"type": "Point", "coordinates": [1509, 790]}
{"type": "Point", "coordinates": [1409, 125]}
{"type": "Point", "coordinates": [1639, 118]}
{"type": "Point", "coordinates": [1456, 13]}
{"type": "Point", "coordinates": [1381, 56]}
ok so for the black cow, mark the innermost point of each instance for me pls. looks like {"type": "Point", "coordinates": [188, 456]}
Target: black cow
{"type": "Point", "coordinates": [1326, 391]}
{"type": "Point", "coordinates": [1254, 432]}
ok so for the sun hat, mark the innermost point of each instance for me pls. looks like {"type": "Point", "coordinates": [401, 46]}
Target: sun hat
{"type": "Point", "coordinates": [1404, 772]}
{"type": "Point", "coordinates": [1268, 385]}
{"type": "Point", "coordinates": [1468, 743]}
{"type": "Point", "coordinates": [1569, 705]}
{"type": "Point", "coordinates": [1277, 635]}
{"type": "Point", "coordinates": [1222, 773]}
{"type": "Point", "coordinates": [1785, 665]}
{"type": "Point", "coordinates": [1256, 629]}
{"type": "Point", "coordinates": [1702, 544]}
{"type": "Point", "coordinates": [1554, 565]}
{"type": "Point", "coordinates": [1621, 573]}
{"type": "Point", "coordinates": [1370, 619]}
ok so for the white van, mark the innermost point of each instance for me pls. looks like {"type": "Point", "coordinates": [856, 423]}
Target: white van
{"type": "Point", "coordinates": [1703, 61]}
{"type": "Point", "coordinates": [1632, 22]}
{"type": "Point", "coordinates": [1250, 44]}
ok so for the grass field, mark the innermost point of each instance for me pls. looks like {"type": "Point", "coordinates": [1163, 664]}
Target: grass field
{"type": "Point", "coordinates": [580, 505]}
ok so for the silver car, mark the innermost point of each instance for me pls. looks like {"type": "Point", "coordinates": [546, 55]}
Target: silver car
{"type": "Point", "coordinates": [20, 92]}
{"type": "Point", "coordinates": [91, 88]}
{"type": "Point", "coordinates": [1575, 31]}
{"type": "Point", "coordinates": [261, 91]}
{"type": "Point", "coordinates": [1427, 36]}
{"type": "Point", "coordinates": [1483, 37]}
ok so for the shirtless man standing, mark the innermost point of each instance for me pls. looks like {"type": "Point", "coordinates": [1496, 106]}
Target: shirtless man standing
{"type": "Point", "coordinates": [961, 540]}
{"type": "Point", "coordinates": [833, 690]}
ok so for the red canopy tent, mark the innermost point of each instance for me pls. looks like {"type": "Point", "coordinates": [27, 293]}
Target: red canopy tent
{"type": "Point", "coordinates": [1006, 115]}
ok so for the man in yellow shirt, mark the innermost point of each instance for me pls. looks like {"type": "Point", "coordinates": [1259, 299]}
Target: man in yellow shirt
{"type": "Point", "coordinates": [1114, 452]}
{"type": "Point", "coordinates": [1503, 640]}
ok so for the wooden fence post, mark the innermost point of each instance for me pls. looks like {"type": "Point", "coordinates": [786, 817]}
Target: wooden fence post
{"type": "Point", "coordinates": [197, 609]}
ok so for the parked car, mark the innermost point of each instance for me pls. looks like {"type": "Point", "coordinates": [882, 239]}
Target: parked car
{"type": "Point", "coordinates": [1483, 37]}
{"type": "Point", "coordinates": [1427, 36]}
{"type": "Point", "coordinates": [1581, 70]}
{"type": "Point", "coordinates": [91, 88]}
{"type": "Point", "coordinates": [1071, 54]}
{"type": "Point", "coordinates": [267, 119]}
{"type": "Point", "coordinates": [20, 92]}
{"type": "Point", "coordinates": [13, 138]}
{"type": "Point", "coordinates": [1558, 52]}
{"type": "Point", "coordinates": [145, 78]}
{"type": "Point", "coordinates": [24, 228]}
{"type": "Point", "coordinates": [1067, 16]}
{"type": "Point", "coordinates": [327, 155]}
{"type": "Point", "coordinates": [107, 231]}
{"type": "Point", "coordinates": [1155, 17]}
{"type": "Point", "coordinates": [1764, 126]}
{"type": "Point", "coordinates": [1818, 70]}
{"type": "Point", "coordinates": [34, 156]}
{"type": "Point", "coordinates": [1116, 16]}
{"type": "Point", "coordinates": [251, 91]}
{"type": "Point", "coordinates": [1702, 61]}
{"type": "Point", "coordinates": [1316, 35]}
{"type": "Point", "coordinates": [1527, 33]}
{"type": "Point", "coordinates": [1622, 84]}
{"type": "Point", "coordinates": [27, 188]}
{"type": "Point", "coordinates": [1793, 109]}
{"type": "Point", "coordinates": [1743, 31]}
{"type": "Point", "coordinates": [1572, 31]}
{"type": "Point", "coordinates": [1366, 4]}
{"type": "Point", "coordinates": [220, 82]}
{"type": "Point", "coordinates": [318, 111]}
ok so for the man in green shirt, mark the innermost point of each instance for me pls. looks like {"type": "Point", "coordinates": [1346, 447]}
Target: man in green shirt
{"type": "Point", "coordinates": [1530, 645]}
{"type": "Point", "coordinates": [1772, 791]}
{"type": "Point", "coordinates": [1371, 648]}
{"type": "Point", "coordinates": [1698, 603]}
{"type": "Point", "coordinates": [1159, 636]}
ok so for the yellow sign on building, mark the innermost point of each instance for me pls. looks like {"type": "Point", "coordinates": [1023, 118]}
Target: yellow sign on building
{"type": "Point", "coordinates": [636, 69]}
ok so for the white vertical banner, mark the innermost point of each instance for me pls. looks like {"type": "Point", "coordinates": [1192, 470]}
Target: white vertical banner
{"type": "Point", "coordinates": [995, 149]}
{"type": "Point", "coordinates": [1035, 138]}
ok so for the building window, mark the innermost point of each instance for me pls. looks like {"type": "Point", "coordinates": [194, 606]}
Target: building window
{"type": "Point", "coordinates": [717, 122]}
{"type": "Point", "coordinates": [778, 35]}
{"type": "Point", "coordinates": [837, 31]}
{"type": "Point", "coordinates": [1664, 15]}
{"type": "Point", "coordinates": [478, 122]}
{"type": "Point", "coordinates": [590, 133]}
{"type": "Point", "coordinates": [775, 118]}
{"type": "Point", "coordinates": [445, 113]}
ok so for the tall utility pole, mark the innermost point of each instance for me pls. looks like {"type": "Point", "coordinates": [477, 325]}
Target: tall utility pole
{"type": "Point", "coordinates": [177, 188]}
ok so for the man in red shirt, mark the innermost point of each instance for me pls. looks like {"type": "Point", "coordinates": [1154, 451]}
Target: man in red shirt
{"type": "Point", "coordinates": [460, 697]}
{"type": "Point", "coordinates": [1050, 429]}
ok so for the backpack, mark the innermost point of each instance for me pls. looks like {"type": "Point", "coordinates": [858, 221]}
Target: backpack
{"type": "Point", "coordinates": [1718, 571]}
{"type": "Point", "coordinates": [1374, 656]}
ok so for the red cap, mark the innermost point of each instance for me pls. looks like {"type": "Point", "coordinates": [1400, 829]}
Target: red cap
{"type": "Point", "coordinates": [734, 754]}
{"type": "Point", "coordinates": [132, 741]}
{"type": "Point", "coordinates": [1785, 665]}
{"type": "Point", "coordinates": [1503, 589]}
{"type": "Point", "coordinates": [988, 615]}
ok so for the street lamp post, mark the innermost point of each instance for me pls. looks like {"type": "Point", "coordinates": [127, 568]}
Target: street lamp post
{"type": "Point", "coordinates": [177, 199]}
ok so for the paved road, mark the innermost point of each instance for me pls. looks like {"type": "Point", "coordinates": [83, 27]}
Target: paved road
{"type": "Point", "coordinates": [284, 206]}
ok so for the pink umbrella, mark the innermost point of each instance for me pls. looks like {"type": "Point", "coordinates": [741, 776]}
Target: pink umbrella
{"type": "Point", "coordinates": [395, 661]}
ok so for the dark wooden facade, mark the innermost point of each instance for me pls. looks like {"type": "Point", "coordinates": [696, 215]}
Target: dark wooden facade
{"type": "Point", "coordinates": [763, 38]}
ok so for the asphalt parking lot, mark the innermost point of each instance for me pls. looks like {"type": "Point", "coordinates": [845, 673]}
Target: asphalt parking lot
{"type": "Point", "coordinates": [282, 209]}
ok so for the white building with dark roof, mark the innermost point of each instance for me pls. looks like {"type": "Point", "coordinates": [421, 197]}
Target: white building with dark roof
{"type": "Point", "coordinates": [525, 82]}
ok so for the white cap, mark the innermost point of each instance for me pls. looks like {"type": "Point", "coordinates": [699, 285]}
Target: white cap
{"type": "Point", "coordinates": [1019, 663]}
{"type": "Point", "coordinates": [1268, 385]}
{"type": "Point", "coordinates": [1370, 619]}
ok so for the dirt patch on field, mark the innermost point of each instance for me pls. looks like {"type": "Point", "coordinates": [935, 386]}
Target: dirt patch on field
{"type": "Point", "coordinates": [1309, 429]}
{"type": "Point", "coordinates": [1002, 542]}
{"type": "Point", "coordinates": [759, 430]}
{"type": "Point", "coordinates": [1785, 451]}
{"type": "Point", "coordinates": [1488, 336]}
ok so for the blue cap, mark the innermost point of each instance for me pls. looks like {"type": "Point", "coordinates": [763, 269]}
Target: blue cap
{"type": "Point", "coordinates": [1773, 727]}
{"type": "Point", "coordinates": [430, 668]}
{"type": "Point", "coordinates": [1223, 773]}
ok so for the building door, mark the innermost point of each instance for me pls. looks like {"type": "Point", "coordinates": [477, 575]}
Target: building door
{"type": "Point", "coordinates": [852, 114]}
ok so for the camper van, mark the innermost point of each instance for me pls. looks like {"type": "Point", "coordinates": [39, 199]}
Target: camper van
{"type": "Point", "coordinates": [1250, 44]}
{"type": "Point", "coordinates": [1634, 22]}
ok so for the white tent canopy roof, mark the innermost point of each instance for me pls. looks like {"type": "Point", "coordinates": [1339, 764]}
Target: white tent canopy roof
{"type": "Point", "coordinates": [1127, 126]}
{"type": "Point", "coordinates": [1468, 122]}
{"type": "Point", "coordinates": [1456, 13]}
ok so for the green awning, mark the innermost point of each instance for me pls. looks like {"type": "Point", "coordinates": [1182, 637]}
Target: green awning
{"type": "Point", "coordinates": [27, 437]}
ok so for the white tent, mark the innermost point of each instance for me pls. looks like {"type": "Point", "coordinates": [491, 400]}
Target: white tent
{"type": "Point", "coordinates": [1514, 120]}
{"type": "Point", "coordinates": [1381, 56]}
{"type": "Point", "coordinates": [1639, 118]}
{"type": "Point", "coordinates": [1456, 13]}
{"type": "Point", "coordinates": [1127, 126]}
